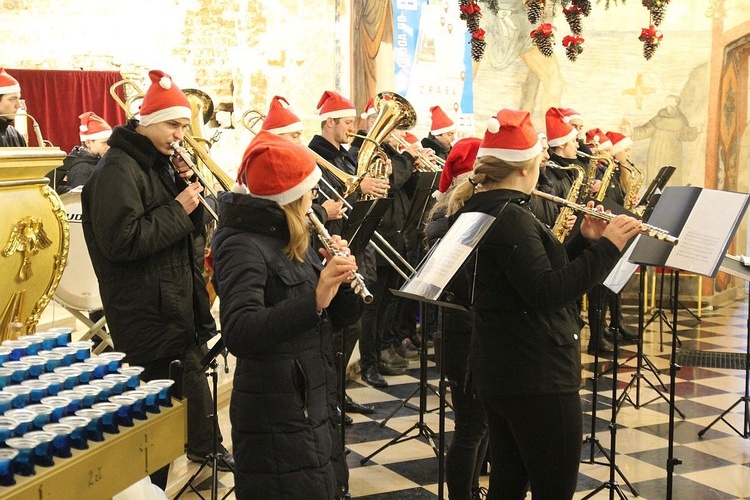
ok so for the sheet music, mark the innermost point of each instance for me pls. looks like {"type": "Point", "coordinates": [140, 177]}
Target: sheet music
{"type": "Point", "coordinates": [623, 270]}
{"type": "Point", "coordinates": [704, 236]}
{"type": "Point", "coordinates": [449, 255]}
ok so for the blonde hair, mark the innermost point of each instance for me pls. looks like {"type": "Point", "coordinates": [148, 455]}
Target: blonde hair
{"type": "Point", "coordinates": [488, 171]}
{"type": "Point", "coordinates": [299, 230]}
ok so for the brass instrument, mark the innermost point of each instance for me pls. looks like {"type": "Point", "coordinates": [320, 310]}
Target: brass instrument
{"type": "Point", "coordinates": [393, 111]}
{"type": "Point", "coordinates": [560, 229]}
{"type": "Point", "coordinates": [20, 125]}
{"type": "Point", "coordinates": [634, 184]}
{"type": "Point", "coordinates": [349, 182]}
{"type": "Point", "coordinates": [128, 104]}
{"type": "Point", "coordinates": [358, 282]}
{"type": "Point", "coordinates": [424, 163]}
{"type": "Point", "coordinates": [591, 174]}
{"type": "Point", "coordinates": [182, 153]}
{"type": "Point", "coordinates": [648, 230]}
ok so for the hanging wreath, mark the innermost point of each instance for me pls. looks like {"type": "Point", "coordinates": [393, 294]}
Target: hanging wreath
{"type": "Point", "coordinates": [651, 37]}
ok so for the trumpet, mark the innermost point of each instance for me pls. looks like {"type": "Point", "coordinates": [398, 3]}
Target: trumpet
{"type": "Point", "coordinates": [430, 163]}
{"type": "Point", "coordinates": [357, 283]}
{"type": "Point", "coordinates": [646, 229]}
{"type": "Point", "coordinates": [182, 153]}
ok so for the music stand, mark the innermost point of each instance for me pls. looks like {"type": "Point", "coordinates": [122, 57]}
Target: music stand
{"type": "Point", "coordinates": [362, 222]}
{"type": "Point", "coordinates": [430, 284]}
{"type": "Point", "coordinates": [426, 184]}
{"type": "Point", "coordinates": [655, 188]}
{"type": "Point", "coordinates": [706, 221]}
{"type": "Point", "coordinates": [213, 458]}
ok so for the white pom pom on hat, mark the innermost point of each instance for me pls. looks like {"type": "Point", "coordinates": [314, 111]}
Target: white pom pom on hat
{"type": "Point", "coordinates": [493, 125]}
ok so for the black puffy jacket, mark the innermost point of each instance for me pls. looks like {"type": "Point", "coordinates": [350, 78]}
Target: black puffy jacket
{"type": "Point", "coordinates": [283, 407]}
{"type": "Point", "coordinates": [141, 244]}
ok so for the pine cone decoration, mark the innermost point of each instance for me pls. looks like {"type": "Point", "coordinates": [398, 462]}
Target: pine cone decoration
{"type": "Point", "coordinates": [543, 43]}
{"type": "Point", "coordinates": [649, 49]}
{"type": "Point", "coordinates": [651, 38]}
{"type": "Point", "coordinates": [534, 10]}
{"type": "Point", "coordinates": [573, 46]}
{"type": "Point", "coordinates": [657, 14]}
{"type": "Point", "coordinates": [477, 49]}
{"type": "Point", "coordinates": [573, 17]}
{"type": "Point", "coordinates": [472, 23]}
{"type": "Point", "coordinates": [584, 6]}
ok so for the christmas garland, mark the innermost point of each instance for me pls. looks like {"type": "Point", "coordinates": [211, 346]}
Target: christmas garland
{"type": "Point", "coordinates": [543, 36]}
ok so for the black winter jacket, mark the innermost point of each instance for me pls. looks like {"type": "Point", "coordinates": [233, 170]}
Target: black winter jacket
{"type": "Point", "coordinates": [431, 142]}
{"type": "Point", "coordinates": [526, 323]}
{"type": "Point", "coordinates": [76, 169]}
{"type": "Point", "coordinates": [283, 407]}
{"type": "Point", "coordinates": [141, 244]}
{"type": "Point", "coordinates": [9, 136]}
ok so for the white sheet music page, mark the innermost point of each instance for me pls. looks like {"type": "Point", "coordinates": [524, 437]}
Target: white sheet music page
{"type": "Point", "coordinates": [449, 255]}
{"type": "Point", "coordinates": [707, 231]}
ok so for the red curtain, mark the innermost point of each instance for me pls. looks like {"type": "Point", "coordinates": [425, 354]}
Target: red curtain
{"type": "Point", "coordinates": [56, 98]}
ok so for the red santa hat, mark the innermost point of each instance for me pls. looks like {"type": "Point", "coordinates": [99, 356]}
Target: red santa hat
{"type": "Point", "coordinates": [440, 122]}
{"type": "Point", "coordinates": [619, 142]}
{"type": "Point", "coordinates": [275, 168]}
{"type": "Point", "coordinates": [163, 100]}
{"type": "Point", "coordinates": [334, 105]}
{"type": "Point", "coordinates": [559, 131]}
{"type": "Point", "coordinates": [458, 166]}
{"type": "Point", "coordinates": [8, 84]}
{"type": "Point", "coordinates": [510, 136]}
{"type": "Point", "coordinates": [369, 109]}
{"type": "Point", "coordinates": [411, 138]}
{"type": "Point", "coordinates": [598, 138]}
{"type": "Point", "coordinates": [93, 127]}
{"type": "Point", "coordinates": [570, 114]}
{"type": "Point", "coordinates": [280, 118]}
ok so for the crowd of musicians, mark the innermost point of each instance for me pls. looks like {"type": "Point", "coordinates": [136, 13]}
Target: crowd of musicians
{"type": "Point", "coordinates": [289, 313]}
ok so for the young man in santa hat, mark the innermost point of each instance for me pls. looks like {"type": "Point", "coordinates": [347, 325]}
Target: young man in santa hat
{"type": "Point", "coordinates": [80, 163]}
{"type": "Point", "coordinates": [140, 221]}
{"type": "Point", "coordinates": [442, 133]}
{"type": "Point", "coordinates": [10, 103]}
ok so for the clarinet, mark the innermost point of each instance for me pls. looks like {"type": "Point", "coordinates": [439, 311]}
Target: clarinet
{"type": "Point", "coordinates": [358, 283]}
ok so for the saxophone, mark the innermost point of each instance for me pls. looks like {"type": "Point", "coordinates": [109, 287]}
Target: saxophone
{"type": "Point", "coordinates": [634, 184]}
{"type": "Point", "coordinates": [591, 174]}
{"type": "Point", "coordinates": [560, 229]}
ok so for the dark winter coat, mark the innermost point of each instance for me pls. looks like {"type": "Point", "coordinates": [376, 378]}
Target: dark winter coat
{"type": "Point", "coordinates": [526, 323]}
{"type": "Point", "coordinates": [283, 408]}
{"type": "Point", "coordinates": [9, 136]}
{"type": "Point", "coordinates": [340, 159]}
{"type": "Point", "coordinates": [431, 142]}
{"type": "Point", "coordinates": [141, 244]}
{"type": "Point", "coordinates": [76, 169]}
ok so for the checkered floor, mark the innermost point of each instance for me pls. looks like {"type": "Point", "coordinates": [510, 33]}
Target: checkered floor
{"type": "Point", "coordinates": [715, 466]}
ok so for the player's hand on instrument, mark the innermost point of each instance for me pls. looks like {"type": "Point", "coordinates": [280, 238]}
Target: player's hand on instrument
{"type": "Point", "coordinates": [595, 187]}
{"type": "Point", "coordinates": [591, 227]}
{"type": "Point", "coordinates": [621, 229]}
{"type": "Point", "coordinates": [181, 168]}
{"type": "Point", "coordinates": [189, 198]}
{"type": "Point", "coordinates": [570, 221]}
{"type": "Point", "coordinates": [334, 209]}
{"type": "Point", "coordinates": [371, 186]}
{"type": "Point", "coordinates": [338, 270]}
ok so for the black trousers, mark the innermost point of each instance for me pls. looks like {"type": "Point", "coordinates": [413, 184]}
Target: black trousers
{"type": "Point", "coordinates": [345, 338]}
{"type": "Point", "coordinates": [200, 403]}
{"type": "Point", "coordinates": [379, 318]}
{"type": "Point", "coordinates": [536, 442]}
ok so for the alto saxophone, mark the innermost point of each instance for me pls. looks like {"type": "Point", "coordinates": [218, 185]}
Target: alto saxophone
{"type": "Point", "coordinates": [591, 176]}
{"type": "Point", "coordinates": [560, 229]}
{"type": "Point", "coordinates": [634, 184]}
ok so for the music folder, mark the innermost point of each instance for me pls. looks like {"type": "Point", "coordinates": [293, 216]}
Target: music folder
{"type": "Point", "coordinates": [426, 184]}
{"type": "Point", "coordinates": [705, 220]}
{"type": "Point", "coordinates": [363, 221]}
{"type": "Point", "coordinates": [433, 276]}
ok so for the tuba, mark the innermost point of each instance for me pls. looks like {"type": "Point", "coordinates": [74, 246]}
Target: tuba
{"type": "Point", "coordinates": [393, 112]}
{"type": "Point", "coordinates": [560, 229]}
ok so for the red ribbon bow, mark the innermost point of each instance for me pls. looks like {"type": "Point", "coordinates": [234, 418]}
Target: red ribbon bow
{"type": "Point", "coordinates": [650, 34]}
{"type": "Point", "coordinates": [470, 9]}
{"type": "Point", "coordinates": [478, 34]}
{"type": "Point", "coordinates": [572, 40]}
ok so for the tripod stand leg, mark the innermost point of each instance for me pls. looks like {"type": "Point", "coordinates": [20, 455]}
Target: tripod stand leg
{"type": "Point", "coordinates": [721, 417]}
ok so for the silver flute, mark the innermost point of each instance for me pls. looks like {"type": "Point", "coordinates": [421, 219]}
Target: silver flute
{"type": "Point", "coordinates": [358, 283]}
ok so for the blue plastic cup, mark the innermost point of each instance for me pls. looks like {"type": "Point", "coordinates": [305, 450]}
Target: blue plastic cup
{"type": "Point", "coordinates": [43, 415]}
{"type": "Point", "coordinates": [5, 377]}
{"type": "Point", "coordinates": [120, 381]}
{"type": "Point", "coordinates": [8, 428]}
{"type": "Point", "coordinates": [125, 412]}
{"type": "Point", "coordinates": [63, 334]}
{"type": "Point", "coordinates": [4, 354]}
{"type": "Point", "coordinates": [71, 373]}
{"type": "Point", "coordinates": [68, 353]}
{"type": "Point", "coordinates": [61, 441]}
{"type": "Point", "coordinates": [55, 380]}
{"type": "Point", "coordinates": [52, 360]}
{"type": "Point", "coordinates": [59, 406]}
{"type": "Point", "coordinates": [78, 439]}
{"type": "Point", "coordinates": [134, 372]}
{"type": "Point", "coordinates": [18, 349]}
{"type": "Point", "coordinates": [109, 419]}
{"type": "Point", "coordinates": [102, 366]}
{"type": "Point", "coordinates": [43, 450]}
{"type": "Point", "coordinates": [39, 389]}
{"type": "Point", "coordinates": [20, 371]}
{"type": "Point", "coordinates": [90, 394]}
{"type": "Point", "coordinates": [7, 457]}
{"type": "Point", "coordinates": [23, 465]}
{"type": "Point", "coordinates": [25, 419]}
{"type": "Point", "coordinates": [21, 395]}
{"type": "Point", "coordinates": [139, 404]}
{"type": "Point", "coordinates": [36, 365]}
{"type": "Point", "coordinates": [115, 360]}
{"type": "Point", "coordinates": [76, 400]}
{"type": "Point", "coordinates": [83, 349]}
{"type": "Point", "coordinates": [152, 398]}
{"type": "Point", "coordinates": [87, 372]}
{"type": "Point", "coordinates": [106, 388]}
{"type": "Point", "coordinates": [165, 384]}
{"type": "Point", "coordinates": [49, 340]}
{"type": "Point", "coordinates": [94, 430]}
{"type": "Point", "coordinates": [35, 344]}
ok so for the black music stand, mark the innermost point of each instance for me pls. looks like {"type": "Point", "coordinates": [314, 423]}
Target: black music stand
{"type": "Point", "coordinates": [363, 221]}
{"type": "Point", "coordinates": [426, 184]}
{"type": "Point", "coordinates": [212, 461]}
{"type": "Point", "coordinates": [706, 221]}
